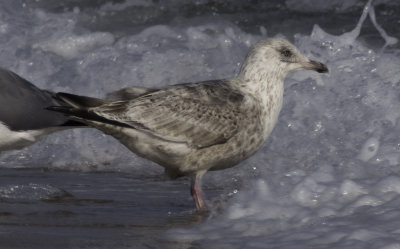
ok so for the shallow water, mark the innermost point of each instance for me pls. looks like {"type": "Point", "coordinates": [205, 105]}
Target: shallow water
{"type": "Point", "coordinates": [328, 177]}
{"type": "Point", "coordinates": [61, 209]}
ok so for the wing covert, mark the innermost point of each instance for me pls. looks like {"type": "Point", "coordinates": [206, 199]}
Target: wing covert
{"type": "Point", "coordinates": [200, 115]}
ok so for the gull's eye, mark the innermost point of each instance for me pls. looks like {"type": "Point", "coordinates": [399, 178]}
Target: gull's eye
{"type": "Point", "coordinates": [286, 52]}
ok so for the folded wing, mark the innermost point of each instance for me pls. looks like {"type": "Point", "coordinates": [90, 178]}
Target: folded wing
{"type": "Point", "coordinates": [200, 115]}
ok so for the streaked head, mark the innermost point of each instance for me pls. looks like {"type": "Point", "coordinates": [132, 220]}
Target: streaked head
{"type": "Point", "coordinates": [278, 56]}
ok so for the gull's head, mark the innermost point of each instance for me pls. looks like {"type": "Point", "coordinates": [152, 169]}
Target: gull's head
{"type": "Point", "coordinates": [275, 58]}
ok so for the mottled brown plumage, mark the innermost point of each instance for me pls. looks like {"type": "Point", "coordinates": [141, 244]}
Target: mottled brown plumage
{"type": "Point", "coordinates": [193, 114]}
{"type": "Point", "coordinates": [192, 128]}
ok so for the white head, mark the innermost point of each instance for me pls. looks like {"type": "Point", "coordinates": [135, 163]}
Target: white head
{"type": "Point", "coordinates": [275, 58]}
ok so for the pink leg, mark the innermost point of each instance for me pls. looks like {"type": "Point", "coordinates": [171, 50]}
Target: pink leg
{"type": "Point", "coordinates": [195, 190]}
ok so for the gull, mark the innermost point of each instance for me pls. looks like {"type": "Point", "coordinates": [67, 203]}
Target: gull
{"type": "Point", "coordinates": [23, 117]}
{"type": "Point", "coordinates": [195, 127]}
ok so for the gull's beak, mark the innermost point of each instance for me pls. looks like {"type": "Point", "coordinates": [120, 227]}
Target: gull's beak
{"type": "Point", "coordinates": [316, 66]}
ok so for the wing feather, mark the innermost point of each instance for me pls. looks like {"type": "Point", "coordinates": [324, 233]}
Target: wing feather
{"type": "Point", "coordinates": [200, 115]}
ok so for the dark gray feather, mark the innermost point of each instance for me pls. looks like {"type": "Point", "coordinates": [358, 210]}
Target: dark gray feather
{"type": "Point", "coordinates": [22, 105]}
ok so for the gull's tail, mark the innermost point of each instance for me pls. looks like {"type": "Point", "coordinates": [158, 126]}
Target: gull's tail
{"type": "Point", "coordinates": [80, 102]}
{"type": "Point", "coordinates": [79, 108]}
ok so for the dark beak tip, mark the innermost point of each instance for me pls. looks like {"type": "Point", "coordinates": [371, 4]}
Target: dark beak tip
{"type": "Point", "coordinates": [319, 67]}
{"type": "Point", "coordinates": [323, 69]}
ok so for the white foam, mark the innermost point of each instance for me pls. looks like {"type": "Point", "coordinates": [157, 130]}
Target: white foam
{"type": "Point", "coordinates": [72, 46]}
{"type": "Point", "coordinates": [369, 149]}
{"type": "Point", "coordinates": [389, 184]}
{"type": "Point", "coordinates": [365, 235]}
{"type": "Point", "coordinates": [326, 178]}
{"type": "Point", "coordinates": [390, 40]}
{"type": "Point", "coordinates": [342, 152]}
{"type": "Point", "coordinates": [351, 190]}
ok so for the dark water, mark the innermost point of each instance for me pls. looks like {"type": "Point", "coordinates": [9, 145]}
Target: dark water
{"type": "Point", "coordinates": [58, 209]}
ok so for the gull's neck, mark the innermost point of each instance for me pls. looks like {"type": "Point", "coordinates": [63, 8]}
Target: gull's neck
{"type": "Point", "coordinates": [259, 78]}
{"type": "Point", "coordinates": [265, 84]}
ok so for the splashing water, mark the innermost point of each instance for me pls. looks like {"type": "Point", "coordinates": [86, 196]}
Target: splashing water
{"type": "Point", "coordinates": [328, 177]}
{"type": "Point", "coordinates": [338, 183]}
